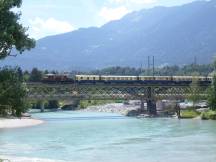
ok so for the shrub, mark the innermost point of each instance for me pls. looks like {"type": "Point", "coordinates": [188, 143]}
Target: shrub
{"type": "Point", "coordinates": [188, 114]}
{"type": "Point", "coordinates": [209, 115]}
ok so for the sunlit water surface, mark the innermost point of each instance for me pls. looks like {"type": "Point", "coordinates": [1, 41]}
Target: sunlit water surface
{"type": "Point", "coordinates": [101, 137]}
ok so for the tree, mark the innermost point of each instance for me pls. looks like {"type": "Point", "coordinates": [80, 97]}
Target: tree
{"type": "Point", "coordinates": [12, 92]}
{"type": "Point", "coordinates": [12, 33]}
{"type": "Point", "coordinates": [53, 104]}
{"type": "Point", "coordinates": [195, 91]}
{"type": "Point", "coordinates": [212, 94]}
{"type": "Point", "coordinates": [36, 75]}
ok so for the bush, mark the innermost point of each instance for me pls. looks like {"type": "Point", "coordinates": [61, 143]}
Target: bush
{"type": "Point", "coordinates": [188, 114]}
{"type": "Point", "coordinates": [204, 116]}
{"type": "Point", "coordinates": [209, 115]}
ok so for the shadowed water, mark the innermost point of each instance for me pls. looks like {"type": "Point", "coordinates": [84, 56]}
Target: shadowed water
{"type": "Point", "coordinates": [101, 137]}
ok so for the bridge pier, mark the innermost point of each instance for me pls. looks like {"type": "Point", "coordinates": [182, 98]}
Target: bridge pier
{"type": "Point", "coordinates": [151, 107]}
{"type": "Point", "coordinates": [42, 107]}
{"type": "Point", "coordinates": [151, 104]}
{"type": "Point", "coordinates": [142, 106]}
{"type": "Point", "coordinates": [178, 111]}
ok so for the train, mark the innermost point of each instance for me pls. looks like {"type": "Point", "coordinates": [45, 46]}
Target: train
{"type": "Point", "coordinates": [58, 78]}
{"type": "Point", "coordinates": [112, 79]}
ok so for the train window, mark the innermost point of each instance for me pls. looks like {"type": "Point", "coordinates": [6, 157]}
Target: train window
{"type": "Point", "coordinates": [93, 78]}
{"type": "Point", "coordinates": [87, 78]}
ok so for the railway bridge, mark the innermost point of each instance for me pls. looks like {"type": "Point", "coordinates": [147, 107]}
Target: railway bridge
{"type": "Point", "coordinates": [149, 93]}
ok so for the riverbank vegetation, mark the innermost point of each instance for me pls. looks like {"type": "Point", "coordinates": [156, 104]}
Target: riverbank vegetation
{"type": "Point", "coordinates": [13, 92]}
{"type": "Point", "coordinates": [13, 36]}
{"type": "Point", "coordinates": [195, 97]}
{"type": "Point", "coordinates": [189, 114]}
{"type": "Point", "coordinates": [209, 115]}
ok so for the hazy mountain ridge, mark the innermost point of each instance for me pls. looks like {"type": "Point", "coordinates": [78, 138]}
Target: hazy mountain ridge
{"type": "Point", "coordinates": [173, 35]}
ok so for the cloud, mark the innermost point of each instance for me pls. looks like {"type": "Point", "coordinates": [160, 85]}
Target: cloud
{"type": "Point", "coordinates": [44, 27]}
{"type": "Point", "coordinates": [113, 13]}
{"type": "Point", "coordinates": [133, 1]}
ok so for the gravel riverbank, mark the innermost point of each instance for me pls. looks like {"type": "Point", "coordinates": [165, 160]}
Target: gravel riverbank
{"type": "Point", "coordinates": [18, 123]}
{"type": "Point", "coordinates": [118, 108]}
{"type": "Point", "coordinates": [25, 159]}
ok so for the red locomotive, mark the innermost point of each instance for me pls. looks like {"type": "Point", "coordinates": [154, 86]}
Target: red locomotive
{"type": "Point", "coordinates": [58, 78]}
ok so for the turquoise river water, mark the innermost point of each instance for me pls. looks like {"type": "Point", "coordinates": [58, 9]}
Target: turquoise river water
{"type": "Point", "coordinates": [102, 137]}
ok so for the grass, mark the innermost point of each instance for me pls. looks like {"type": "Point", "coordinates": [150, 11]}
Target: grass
{"type": "Point", "coordinates": [192, 113]}
{"type": "Point", "coordinates": [209, 115]}
{"type": "Point", "coordinates": [189, 114]}
{"type": "Point", "coordinates": [86, 103]}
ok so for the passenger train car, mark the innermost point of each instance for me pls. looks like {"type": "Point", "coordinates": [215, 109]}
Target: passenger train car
{"type": "Point", "coordinates": [140, 79]}
{"type": "Point", "coordinates": [108, 79]}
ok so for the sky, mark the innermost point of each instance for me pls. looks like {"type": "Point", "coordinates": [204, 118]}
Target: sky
{"type": "Point", "coordinates": [51, 17]}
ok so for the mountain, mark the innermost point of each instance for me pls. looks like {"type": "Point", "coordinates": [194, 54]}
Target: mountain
{"type": "Point", "coordinates": [174, 35]}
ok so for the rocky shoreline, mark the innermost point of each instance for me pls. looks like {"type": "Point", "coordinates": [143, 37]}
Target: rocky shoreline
{"type": "Point", "coordinates": [117, 108]}
{"type": "Point", "coordinates": [130, 110]}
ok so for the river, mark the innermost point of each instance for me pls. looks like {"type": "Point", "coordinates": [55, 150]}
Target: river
{"type": "Point", "coordinates": [104, 137]}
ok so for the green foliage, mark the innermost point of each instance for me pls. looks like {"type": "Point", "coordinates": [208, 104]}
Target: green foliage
{"type": "Point", "coordinates": [38, 105]}
{"type": "Point", "coordinates": [195, 91]}
{"type": "Point", "coordinates": [212, 94]}
{"type": "Point", "coordinates": [12, 33]}
{"type": "Point", "coordinates": [36, 75]}
{"type": "Point", "coordinates": [117, 71]}
{"type": "Point", "coordinates": [26, 76]}
{"type": "Point", "coordinates": [209, 115]}
{"type": "Point", "coordinates": [191, 69]}
{"type": "Point", "coordinates": [188, 114]}
{"type": "Point", "coordinates": [53, 104]}
{"type": "Point", "coordinates": [12, 92]}
{"type": "Point", "coordinates": [86, 103]}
